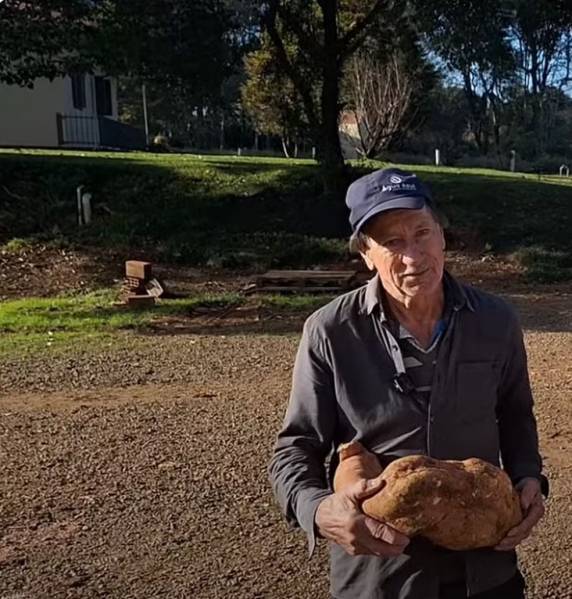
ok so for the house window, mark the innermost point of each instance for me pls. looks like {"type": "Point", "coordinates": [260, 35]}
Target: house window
{"type": "Point", "coordinates": [78, 90]}
{"type": "Point", "coordinates": [103, 96]}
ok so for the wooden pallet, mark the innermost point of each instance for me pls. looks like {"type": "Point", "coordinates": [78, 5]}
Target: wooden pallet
{"type": "Point", "coordinates": [305, 281]}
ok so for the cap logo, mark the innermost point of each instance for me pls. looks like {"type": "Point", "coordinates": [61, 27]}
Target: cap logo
{"type": "Point", "coordinates": [396, 179]}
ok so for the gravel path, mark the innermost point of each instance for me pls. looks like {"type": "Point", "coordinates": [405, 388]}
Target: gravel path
{"type": "Point", "coordinates": [140, 472]}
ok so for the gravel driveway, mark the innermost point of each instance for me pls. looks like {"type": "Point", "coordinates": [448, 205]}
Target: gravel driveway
{"type": "Point", "coordinates": [140, 472]}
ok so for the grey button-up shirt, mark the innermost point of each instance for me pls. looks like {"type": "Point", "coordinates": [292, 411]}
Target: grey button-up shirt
{"type": "Point", "coordinates": [480, 406]}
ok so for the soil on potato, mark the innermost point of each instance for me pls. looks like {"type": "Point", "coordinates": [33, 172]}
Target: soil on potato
{"type": "Point", "coordinates": [140, 471]}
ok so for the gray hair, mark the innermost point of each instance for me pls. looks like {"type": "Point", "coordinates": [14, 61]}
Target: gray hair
{"type": "Point", "coordinates": [360, 241]}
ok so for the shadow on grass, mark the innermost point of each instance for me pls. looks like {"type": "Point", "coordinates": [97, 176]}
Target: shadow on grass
{"type": "Point", "coordinates": [248, 212]}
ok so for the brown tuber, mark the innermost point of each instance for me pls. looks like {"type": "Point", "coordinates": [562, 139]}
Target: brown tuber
{"type": "Point", "coordinates": [457, 505]}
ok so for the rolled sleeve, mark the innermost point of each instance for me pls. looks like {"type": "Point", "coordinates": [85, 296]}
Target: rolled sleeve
{"type": "Point", "coordinates": [297, 467]}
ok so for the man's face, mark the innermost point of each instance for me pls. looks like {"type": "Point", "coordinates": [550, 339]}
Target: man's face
{"type": "Point", "coordinates": [407, 250]}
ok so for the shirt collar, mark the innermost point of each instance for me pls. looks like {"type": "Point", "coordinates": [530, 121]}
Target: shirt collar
{"type": "Point", "coordinates": [454, 291]}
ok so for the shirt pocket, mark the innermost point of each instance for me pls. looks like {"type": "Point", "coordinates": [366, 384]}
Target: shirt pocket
{"type": "Point", "coordinates": [476, 390]}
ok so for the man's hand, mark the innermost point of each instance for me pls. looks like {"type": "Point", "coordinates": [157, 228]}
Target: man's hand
{"type": "Point", "coordinates": [532, 505]}
{"type": "Point", "coordinates": [340, 519]}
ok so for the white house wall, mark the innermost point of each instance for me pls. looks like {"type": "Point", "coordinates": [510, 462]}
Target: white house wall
{"type": "Point", "coordinates": [28, 116]}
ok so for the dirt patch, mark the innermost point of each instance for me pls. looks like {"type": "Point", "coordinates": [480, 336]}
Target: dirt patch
{"type": "Point", "coordinates": [41, 271]}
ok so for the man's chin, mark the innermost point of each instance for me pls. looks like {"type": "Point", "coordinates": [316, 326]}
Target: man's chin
{"type": "Point", "coordinates": [414, 288]}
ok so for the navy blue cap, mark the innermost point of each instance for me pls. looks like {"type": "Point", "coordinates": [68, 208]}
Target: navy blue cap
{"type": "Point", "coordinates": [386, 189]}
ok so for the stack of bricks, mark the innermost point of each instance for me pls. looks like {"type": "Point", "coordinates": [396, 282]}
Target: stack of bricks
{"type": "Point", "coordinates": [137, 274]}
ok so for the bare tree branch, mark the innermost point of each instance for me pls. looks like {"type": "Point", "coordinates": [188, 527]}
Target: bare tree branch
{"type": "Point", "coordinates": [381, 96]}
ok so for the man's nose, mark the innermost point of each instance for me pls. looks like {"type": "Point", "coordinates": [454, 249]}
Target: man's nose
{"type": "Point", "coordinates": [412, 253]}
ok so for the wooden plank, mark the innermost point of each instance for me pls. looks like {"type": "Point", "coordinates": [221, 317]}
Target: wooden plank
{"type": "Point", "coordinates": [140, 301]}
{"type": "Point", "coordinates": [304, 281]}
{"type": "Point", "coordinates": [292, 289]}
{"type": "Point", "coordinates": [310, 274]}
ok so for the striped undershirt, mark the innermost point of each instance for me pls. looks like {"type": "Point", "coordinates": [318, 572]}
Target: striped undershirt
{"type": "Point", "coordinates": [420, 363]}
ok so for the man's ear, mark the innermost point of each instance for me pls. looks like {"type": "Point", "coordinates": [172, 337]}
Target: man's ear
{"type": "Point", "coordinates": [367, 261]}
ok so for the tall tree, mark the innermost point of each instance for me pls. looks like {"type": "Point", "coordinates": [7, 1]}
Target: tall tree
{"type": "Point", "coordinates": [270, 99]}
{"type": "Point", "coordinates": [471, 37]}
{"type": "Point", "coordinates": [541, 33]}
{"type": "Point", "coordinates": [319, 36]}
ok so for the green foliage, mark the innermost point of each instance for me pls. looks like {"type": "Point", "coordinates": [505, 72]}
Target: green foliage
{"type": "Point", "coordinates": [270, 97]}
{"type": "Point", "coordinates": [159, 40]}
{"type": "Point", "coordinates": [545, 265]}
{"type": "Point", "coordinates": [43, 39]}
{"type": "Point", "coordinates": [510, 58]}
{"type": "Point", "coordinates": [156, 41]}
{"type": "Point", "coordinates": [16, 245]}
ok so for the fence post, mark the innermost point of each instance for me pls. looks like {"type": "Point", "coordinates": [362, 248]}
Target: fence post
{"type": "Point", "coordinates": [437, 157]}
{"type": "Point", "coordinates": [60, 128]}
{"type": "Point", "coordinates": [512, 161]}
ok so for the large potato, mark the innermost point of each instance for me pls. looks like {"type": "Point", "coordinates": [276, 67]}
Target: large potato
{"type": "Point", "coordinates": [457, 505]}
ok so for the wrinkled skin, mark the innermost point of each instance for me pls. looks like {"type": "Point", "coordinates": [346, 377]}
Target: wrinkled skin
{"type": "Point", "coordinates": [457, 505]}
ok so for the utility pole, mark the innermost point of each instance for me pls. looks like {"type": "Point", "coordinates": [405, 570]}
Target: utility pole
{"type": "Point", "coordinates": [145, 116]}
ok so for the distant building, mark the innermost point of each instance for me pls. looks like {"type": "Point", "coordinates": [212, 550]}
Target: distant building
{"type": "Point", "coordinates": [348, 130]}
{"type": "Point", "coordinates": [76, 111]}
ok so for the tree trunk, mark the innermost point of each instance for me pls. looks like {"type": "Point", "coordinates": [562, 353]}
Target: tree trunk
{"type": "Point", "coordinates": [330, 151]}
{"type": "Point", "coordinates": [221, 137]}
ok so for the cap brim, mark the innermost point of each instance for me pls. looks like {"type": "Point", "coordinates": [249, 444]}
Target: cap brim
{"type": "Point", "coordinates": [406, 203]}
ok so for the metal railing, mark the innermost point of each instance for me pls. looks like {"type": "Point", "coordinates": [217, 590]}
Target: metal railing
{"type": "Point", "coordinates": [97, 132]}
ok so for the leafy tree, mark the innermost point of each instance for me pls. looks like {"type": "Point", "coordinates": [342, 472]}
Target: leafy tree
{"type": "Point", "coordinates": [191, 64]}
{"type": "Point", "coordinates": [317, 37]}
{"type": "Point", "coordinates": [472, 38]}
{"type": "Point", "coordinates": [174, 42]}
{"type": "Point", "coordinates": [542, 41]}
{"type": "Point", "coordinates": [43, 39]}
{"type": "Point", "coordinates": [270, 98]}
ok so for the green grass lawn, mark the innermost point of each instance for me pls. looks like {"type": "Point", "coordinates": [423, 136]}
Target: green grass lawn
{"type": "Point", "coordinates": [95, 319]}
{"type": "Point", "coordinates": [227, 211]}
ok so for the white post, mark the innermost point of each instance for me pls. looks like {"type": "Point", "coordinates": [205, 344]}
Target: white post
{"type": "Point", "coordinates": [512, 161]}
{"type": "Point", "coordinates": [313, 153]}
{"type": "Point", "coordinates": [86, 206]}
{"type": "Point", "coordinates": [437, 157]}
{"type": "Point", "coordinates": [145, 115]}
{"type": "Point", "coordinates": [79, 192]}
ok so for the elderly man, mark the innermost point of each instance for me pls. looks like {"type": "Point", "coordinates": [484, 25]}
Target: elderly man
{"type": "Point", "coordinates": [415, 362]}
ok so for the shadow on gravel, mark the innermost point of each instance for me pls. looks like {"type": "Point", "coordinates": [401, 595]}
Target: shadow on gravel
{"type": "Point", "coordinates": [539, 312]}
